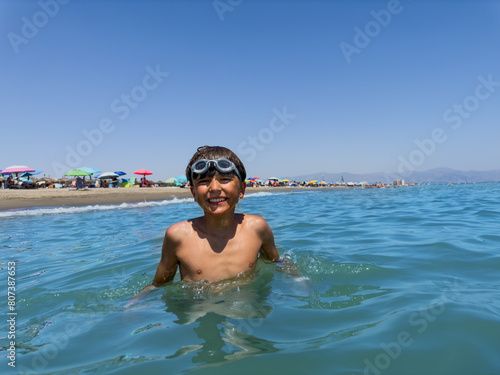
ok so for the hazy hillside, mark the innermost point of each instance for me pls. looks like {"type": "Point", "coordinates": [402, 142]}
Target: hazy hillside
{"type": "Point", "coordinates": [433, 176]}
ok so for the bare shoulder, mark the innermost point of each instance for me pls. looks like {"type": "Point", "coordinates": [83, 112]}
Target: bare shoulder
{"type": "Point", "coordinates": [256, 223]}
{"type": "Point", "coordinates": [179, 230]}
{"type": "Point", "coordinates": [264, 232]}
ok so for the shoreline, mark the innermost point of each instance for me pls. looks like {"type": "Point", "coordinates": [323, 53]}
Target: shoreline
{"type": "Point", "coordinates": [25, 198]}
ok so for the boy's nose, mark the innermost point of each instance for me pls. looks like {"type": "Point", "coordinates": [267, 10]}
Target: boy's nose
{"type": "Point", "coordinates": [214, 184]}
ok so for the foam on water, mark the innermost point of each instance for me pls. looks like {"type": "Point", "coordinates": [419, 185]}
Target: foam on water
{"type": "Point", "coordinates": [84, 209]}
{"type": "Point", "coordinates": [264, 194]}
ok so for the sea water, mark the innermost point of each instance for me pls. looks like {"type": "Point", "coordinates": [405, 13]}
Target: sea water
{"type": "Point", "coordinates": [392, 281]}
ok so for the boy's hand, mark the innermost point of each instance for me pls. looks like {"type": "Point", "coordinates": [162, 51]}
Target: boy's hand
{"type": "Point", "coordinates": [287, 266]}
{"type": "Point", "coordinates": [135, 299]}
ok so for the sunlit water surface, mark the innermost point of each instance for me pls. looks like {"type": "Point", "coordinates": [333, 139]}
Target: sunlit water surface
{"type": "Point", "coordinates": [401, 281]}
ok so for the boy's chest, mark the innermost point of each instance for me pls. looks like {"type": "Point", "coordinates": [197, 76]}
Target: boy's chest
{"type": "Point", "coordinates": [240, 251]}
{"type": "Point", "coordinates": [221, 247]}
{"type": "Point", "coordinates": [216, 260]}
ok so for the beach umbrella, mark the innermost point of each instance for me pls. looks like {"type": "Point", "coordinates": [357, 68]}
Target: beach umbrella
{"type": "Point", "coordinates": [90, 170]}
{"type": "Point", "coordinates": [120, 173]}
{"type": "Point", "coordinates": [181, 178]}
{"type": "Point", "coordinates": [29, 174]}
{"type": "Point", "coordinates": [273, 178]}
{"type": "Point", "coordinates": [143, 172]}
{"type": "Point", "coordinates": [173, 180]}
{"type": "Point", "coordinates": [77, 173]}
{"type": "Point", "coordinates": [16, 169]}
{"type": "Point", "coordinates": [108, 175]}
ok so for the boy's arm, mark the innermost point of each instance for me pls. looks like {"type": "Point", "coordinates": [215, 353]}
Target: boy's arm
{"type": "Point", "coordinates": [167, 267]}
{"type": "Point", "coordinates": [268, 249]}
{"type": "Point", "coordinates": [270, 252]}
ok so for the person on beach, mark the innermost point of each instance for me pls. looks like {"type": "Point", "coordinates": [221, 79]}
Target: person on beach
{"type": "Point", "coordinates": [220, 244]}
{"type": "Point", "coordinates": [145, 183]}
{"type": "Point", "coordinates": [10, 184]}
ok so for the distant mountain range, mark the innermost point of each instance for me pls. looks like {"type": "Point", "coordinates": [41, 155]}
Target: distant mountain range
{"type": "Point", "coordinates": [431, 176]}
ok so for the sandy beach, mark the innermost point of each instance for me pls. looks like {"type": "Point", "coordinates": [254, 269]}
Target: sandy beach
{"type": "Point", "coordinates": [23, 198]}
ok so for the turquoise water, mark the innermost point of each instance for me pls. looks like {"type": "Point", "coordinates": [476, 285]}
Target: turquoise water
{"type": "Point", "coordinates": [401, 281]}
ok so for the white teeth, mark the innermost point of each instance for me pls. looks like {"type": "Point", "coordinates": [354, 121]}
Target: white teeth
{"type": "Point", "coordinates": [217, 200]}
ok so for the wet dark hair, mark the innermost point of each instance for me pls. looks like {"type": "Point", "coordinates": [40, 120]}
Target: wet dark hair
{"type": "Point", "coordinates": [215, 152]}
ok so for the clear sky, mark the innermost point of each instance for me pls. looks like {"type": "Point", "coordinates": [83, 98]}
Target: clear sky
{"type": "Point", "coordinates": [293, 87]}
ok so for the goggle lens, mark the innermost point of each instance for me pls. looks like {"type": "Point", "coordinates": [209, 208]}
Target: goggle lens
{"type": "Point", "coordinates": [199, 166]}
{"type": "Point", "coordinates": [224, 164]}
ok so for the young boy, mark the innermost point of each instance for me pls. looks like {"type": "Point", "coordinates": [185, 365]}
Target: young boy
{"type": "Point", "coordinates": [220, 244]}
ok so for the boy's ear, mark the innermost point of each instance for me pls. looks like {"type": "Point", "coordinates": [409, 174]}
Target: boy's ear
{"type": "Point", "coordinates": [243, 186]}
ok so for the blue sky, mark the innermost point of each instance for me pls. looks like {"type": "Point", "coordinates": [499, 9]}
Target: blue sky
{"type": "Point", "coordinates": [293, 87]}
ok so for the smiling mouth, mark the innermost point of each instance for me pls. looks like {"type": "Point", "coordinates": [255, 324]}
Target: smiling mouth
{"type": "Point", "coordinates": [217, 200]}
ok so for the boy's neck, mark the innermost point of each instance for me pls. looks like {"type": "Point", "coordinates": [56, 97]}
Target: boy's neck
{"type": "Point", "coordinates": [220, 223]}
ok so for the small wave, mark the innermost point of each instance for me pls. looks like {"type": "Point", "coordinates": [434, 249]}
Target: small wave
{"type": "Point", "coordinates": [264, 194]}
{"type": "Point", "coordinates": [83, 209]}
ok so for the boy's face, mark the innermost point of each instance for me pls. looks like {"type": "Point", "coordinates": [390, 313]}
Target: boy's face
{"type": "Point", "coordinates": [219, 193]}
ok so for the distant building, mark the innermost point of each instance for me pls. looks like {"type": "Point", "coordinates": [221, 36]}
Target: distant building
{"type": "Point", "coordinates": [399, 183]}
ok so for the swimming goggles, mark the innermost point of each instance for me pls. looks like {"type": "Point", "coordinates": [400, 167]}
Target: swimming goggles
{"type": "Point", "coordinates": [222, 165]}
